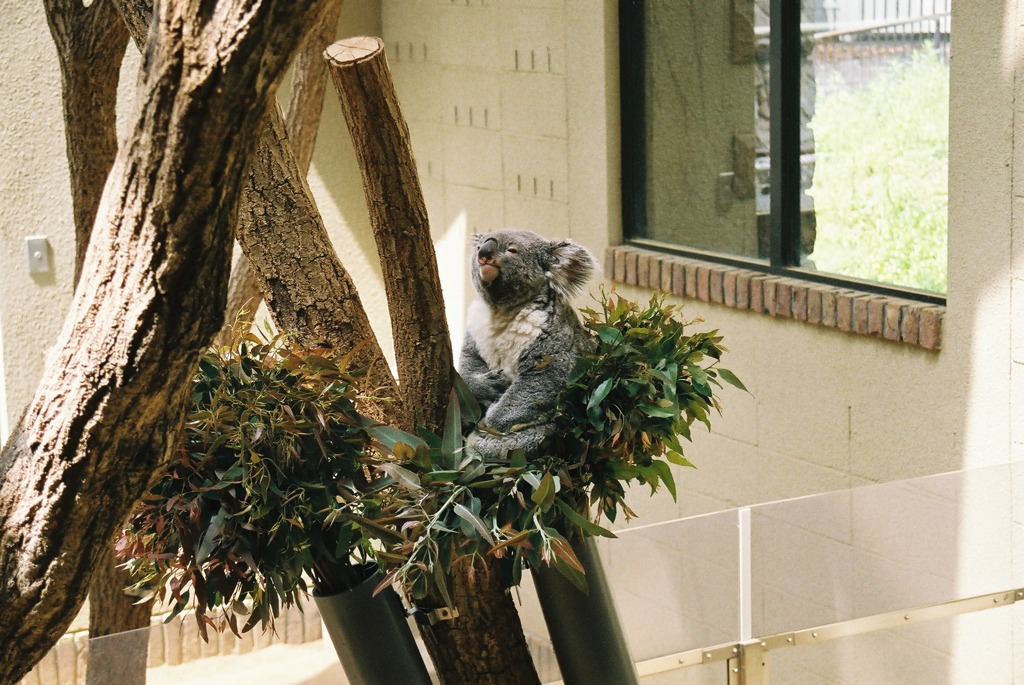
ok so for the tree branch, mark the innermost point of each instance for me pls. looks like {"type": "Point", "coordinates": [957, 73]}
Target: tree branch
{"type": "Point", "coordinates": [90, 46]}
{"type": "Point", "coordinates": [313, 296]}
{"type": "Point", "coordinates": [460, 648]}
{"type": "Point", "coordinates": [306, 287]}
{"type": "Point", "coordinates": [309, 80]}
{"type": "Point", "coordinates": [398, 217]}
{"type": "Point", "coordinates": [90, 43]}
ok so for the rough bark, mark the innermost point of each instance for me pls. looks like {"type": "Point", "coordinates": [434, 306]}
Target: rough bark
{"type": "Point", "coordinates": [309, 81]}
{"type": "Point", "coordinates": [306, 288]}
{"type": "Point", "coordinates": [398, 218]}
{"type": "Point", "coordinates": [110, 405]}
{"type": "Point", "coordinates": [280, 229]}
{"type": "Point", "coordinates": [287, 247]}
{"type": "Point", "coordinates": [90, 45]}
{"type": "Point", "coordinates": [485, 644]}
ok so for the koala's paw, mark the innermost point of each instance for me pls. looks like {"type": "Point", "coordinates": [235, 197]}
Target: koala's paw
{"type": "Point", "coordinates": [496, 383]}
{"type": "Point", "coordinates": [487, 387]}
{"type": "Point", "coordinates": [497, 448]}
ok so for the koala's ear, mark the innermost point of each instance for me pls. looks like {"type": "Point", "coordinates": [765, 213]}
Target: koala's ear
{"type": "Point", "coordinates": [569, 267]}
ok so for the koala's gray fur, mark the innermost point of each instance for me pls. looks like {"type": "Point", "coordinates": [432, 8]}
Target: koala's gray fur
{"type": "Point", "coordinates": [522, 335]}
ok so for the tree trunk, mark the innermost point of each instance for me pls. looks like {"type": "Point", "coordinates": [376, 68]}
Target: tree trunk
{"type": "Point", "coordinates": [109, 408]}
{"type": "Point", "coordinates": [485, 644]}
{"type": "Point", "coordinates": [90, 45]}
{"type": "Point", "coordinates": [309, 81]}
{"type": "Point", "coordinates": [398, 217]}
{"type": "Point", "coordinates": [307, 289]}
{"type": "Point", "coordinates": [313, 296]}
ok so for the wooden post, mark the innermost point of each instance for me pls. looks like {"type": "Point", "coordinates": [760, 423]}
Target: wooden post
{"type": "Point", "coordinates": [484, 645]}
{"type": "Point", "coordinates": [398, 217]}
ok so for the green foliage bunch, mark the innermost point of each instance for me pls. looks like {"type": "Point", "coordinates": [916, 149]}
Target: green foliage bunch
{"type": "Point", "coordinates": [448, 504]}
{"type": "Point", "coordinates": [627, 403]}
{"type": "Point", "coordinates": [618, 420]}
{"type": "Point", "coordinates": [271, 452]}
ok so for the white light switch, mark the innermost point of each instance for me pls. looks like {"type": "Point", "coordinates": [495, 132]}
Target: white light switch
{"type": "Point", "coordinates": [37, 251]}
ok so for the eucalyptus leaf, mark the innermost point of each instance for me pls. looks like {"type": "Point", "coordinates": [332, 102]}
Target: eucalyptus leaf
{"type": "Point", "coordinates": [600, 393]}
{"type": "Point", "coordinates": [252, 502]}
{"type": "Point", "coordinates": [544, 495]}
{"type": "Point", "coordinates": [474, 520]}
{"type": "Point", "coordinates": [402, 475]}
{"type": "Point", "coordinates": [579, 580]}
{"type": "Point", "coordinates": [730, 378]}
{"type": "Point", "coordinates": [470, 408]}
{"type": "Point", "coordinates": [664, 471]}
{"type": "Point", "coordinates": [451, 441]}
{"type": "Point", "coordinates": [610, 335]}
{"type": "Point", "coordinates": [678, 459]}
{"type": "Point", "coordinates": [388, 436]}
{"type": "Point", "coordinates": [587, 526]}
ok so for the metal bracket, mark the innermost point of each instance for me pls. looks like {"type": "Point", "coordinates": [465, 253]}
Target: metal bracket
{"type": "Point", "coordinates": [435, 616]}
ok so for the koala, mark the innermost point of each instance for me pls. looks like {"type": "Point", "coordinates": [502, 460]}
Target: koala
{"type": "Point", "coordinates": [522, 336]}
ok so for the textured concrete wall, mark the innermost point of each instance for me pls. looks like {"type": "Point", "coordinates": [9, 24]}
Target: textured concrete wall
{"type": "Point", "coordinates": [512, 109]}
{"type": "Point", "coordinates": [35, 201]}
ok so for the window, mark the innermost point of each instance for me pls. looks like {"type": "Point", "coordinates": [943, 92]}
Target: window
{"type": "Point", "coordinates": [807, 138]}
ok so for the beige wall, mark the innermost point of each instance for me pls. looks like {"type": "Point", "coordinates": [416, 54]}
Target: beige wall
{"type": "Point", "coordinates": [512, 108]}
{"type": "Point", "coordinates": [34, 200]}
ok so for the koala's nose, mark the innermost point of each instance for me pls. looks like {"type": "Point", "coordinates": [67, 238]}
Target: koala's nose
{"type": "Point", "coordinates": [487, 250]}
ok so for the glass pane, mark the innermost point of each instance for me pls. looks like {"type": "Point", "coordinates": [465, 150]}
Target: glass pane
{"type": "Point", "coordinates": [674, 586]}
{"type": "Point", "coordinates": [705, 85]}
{"type": "Point", "coordinates": [885, 548]}
{"type": "Point", "coordinates": [675, 583]}
{"type": "Point", "coordinates": [879, 102]}
{"type": "Point", "coordinates": [834, 557]}
{"type": "Point", "coordinates": [172, 653]}
{"type": "Point", "coordinates": [909, 655]}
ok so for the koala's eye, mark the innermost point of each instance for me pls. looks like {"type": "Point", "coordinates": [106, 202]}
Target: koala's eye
{"type": "Point", "coordinates": [512, 249]}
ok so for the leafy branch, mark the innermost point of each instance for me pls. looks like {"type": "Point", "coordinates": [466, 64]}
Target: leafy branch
{"type": "Point", "coordinates": [272, 448]}
{"type": "Point", "coordinates": [619, 420]}
{"type": "Point", "coordinates": [279, 478]}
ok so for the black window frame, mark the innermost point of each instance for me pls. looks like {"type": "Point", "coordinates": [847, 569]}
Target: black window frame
{"type": "Point", "coordinates": [784, 154]}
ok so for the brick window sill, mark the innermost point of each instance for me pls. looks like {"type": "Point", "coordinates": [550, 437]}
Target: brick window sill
{"type": "Point", "coordinates": [852, 311]}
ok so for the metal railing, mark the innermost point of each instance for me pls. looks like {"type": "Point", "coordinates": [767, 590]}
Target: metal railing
{"type": "Point", "coordinates": [746, 662]}
{"type": "Point", "coordinates": [877, 577]}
